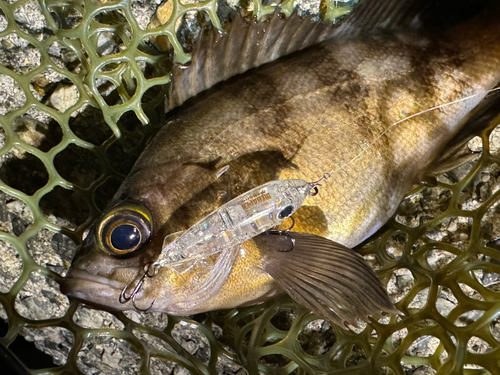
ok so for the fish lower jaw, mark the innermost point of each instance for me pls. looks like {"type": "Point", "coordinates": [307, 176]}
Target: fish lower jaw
{"type": "Point", "coordinates": [93, 289]}
{"type": "Point", "coordinates": [84, 275]}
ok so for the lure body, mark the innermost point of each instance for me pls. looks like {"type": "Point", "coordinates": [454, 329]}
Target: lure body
{"type": "Point", "coordinates": [246, 216]}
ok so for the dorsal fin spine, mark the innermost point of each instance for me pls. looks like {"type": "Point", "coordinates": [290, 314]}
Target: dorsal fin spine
{"type": "Point", "coordinates": [247, 44]}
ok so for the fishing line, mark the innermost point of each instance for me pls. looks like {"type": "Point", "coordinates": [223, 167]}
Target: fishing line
{"type": "Point", "coordinates": [327, 175]}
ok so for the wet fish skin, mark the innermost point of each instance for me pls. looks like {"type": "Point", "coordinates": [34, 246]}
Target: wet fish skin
{"type": "Point", "coordinates": [304, 115]}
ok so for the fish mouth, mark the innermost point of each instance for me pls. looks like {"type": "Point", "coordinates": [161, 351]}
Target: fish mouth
{"type": "Point", "coordinates": [91, 288]}
{"type": "Point", "coordinates": [84, 275]}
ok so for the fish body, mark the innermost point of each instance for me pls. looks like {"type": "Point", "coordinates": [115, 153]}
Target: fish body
{"type": "Point", "coordinates": [328, 109]}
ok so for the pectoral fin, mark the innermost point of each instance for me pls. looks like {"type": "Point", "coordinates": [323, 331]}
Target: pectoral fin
{"type": "Point", "coordinates": [332, 280]}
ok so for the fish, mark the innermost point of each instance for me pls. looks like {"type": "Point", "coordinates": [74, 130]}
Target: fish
{"type": "Point", "coordinates": [365, 104]}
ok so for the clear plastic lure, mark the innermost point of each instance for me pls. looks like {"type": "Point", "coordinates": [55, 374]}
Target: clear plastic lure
{"type": "Point", "coordinates": [242, 218]}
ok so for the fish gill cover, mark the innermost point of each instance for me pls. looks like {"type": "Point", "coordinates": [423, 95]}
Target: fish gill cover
{"type": "Point", "coordinates": [76, 74]}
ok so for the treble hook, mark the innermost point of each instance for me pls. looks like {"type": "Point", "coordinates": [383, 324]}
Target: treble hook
{"type": "Point", "coordinates": [133, 295]}
{"type": "Point", "coordinates": [285, 233]}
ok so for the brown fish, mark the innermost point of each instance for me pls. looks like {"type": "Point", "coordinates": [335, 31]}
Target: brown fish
{"type": "Point", "coordinates": [328, 108]}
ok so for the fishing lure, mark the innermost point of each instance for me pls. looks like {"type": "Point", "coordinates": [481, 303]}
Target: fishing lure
{"type": "Point", "coordinates": [246, 216]}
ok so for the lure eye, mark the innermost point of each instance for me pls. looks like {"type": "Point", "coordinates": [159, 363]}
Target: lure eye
{"type": "Point", "coordinates": [124, 229]}
{"type": "Point", "coordinates": [285, 212]}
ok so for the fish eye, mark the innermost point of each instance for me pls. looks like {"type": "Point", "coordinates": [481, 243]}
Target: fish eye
{"type": "Point", "coordinates": [285, 212]}
{"type": "Point", "coordinates": [125, 237]}
{"type": "Point", "coordinates": [124, 228]}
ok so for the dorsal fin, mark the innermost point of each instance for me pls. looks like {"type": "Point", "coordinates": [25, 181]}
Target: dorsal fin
{"type": "Point", "coordinates": [249, 43]}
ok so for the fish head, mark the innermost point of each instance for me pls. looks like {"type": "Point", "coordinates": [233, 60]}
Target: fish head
{"type": "Point", "coordinates": [114, 254]}
{"type": "Point", "coordinates": [153, 203]}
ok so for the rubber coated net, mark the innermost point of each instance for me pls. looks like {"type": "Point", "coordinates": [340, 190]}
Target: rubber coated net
{"type": "Point", "coordinates": [76, 75]}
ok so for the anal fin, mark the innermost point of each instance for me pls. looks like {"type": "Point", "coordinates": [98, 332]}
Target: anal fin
{"type": "Point", "coordinates": [461, 157]}
{"type": "Point", "coordinates": [332, 280]}
{"type": "Point", "coordinates": [456, 150]}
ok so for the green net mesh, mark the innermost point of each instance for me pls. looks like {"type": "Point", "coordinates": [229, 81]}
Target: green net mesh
{"type": "Point", "coordinates": [81, 87]}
